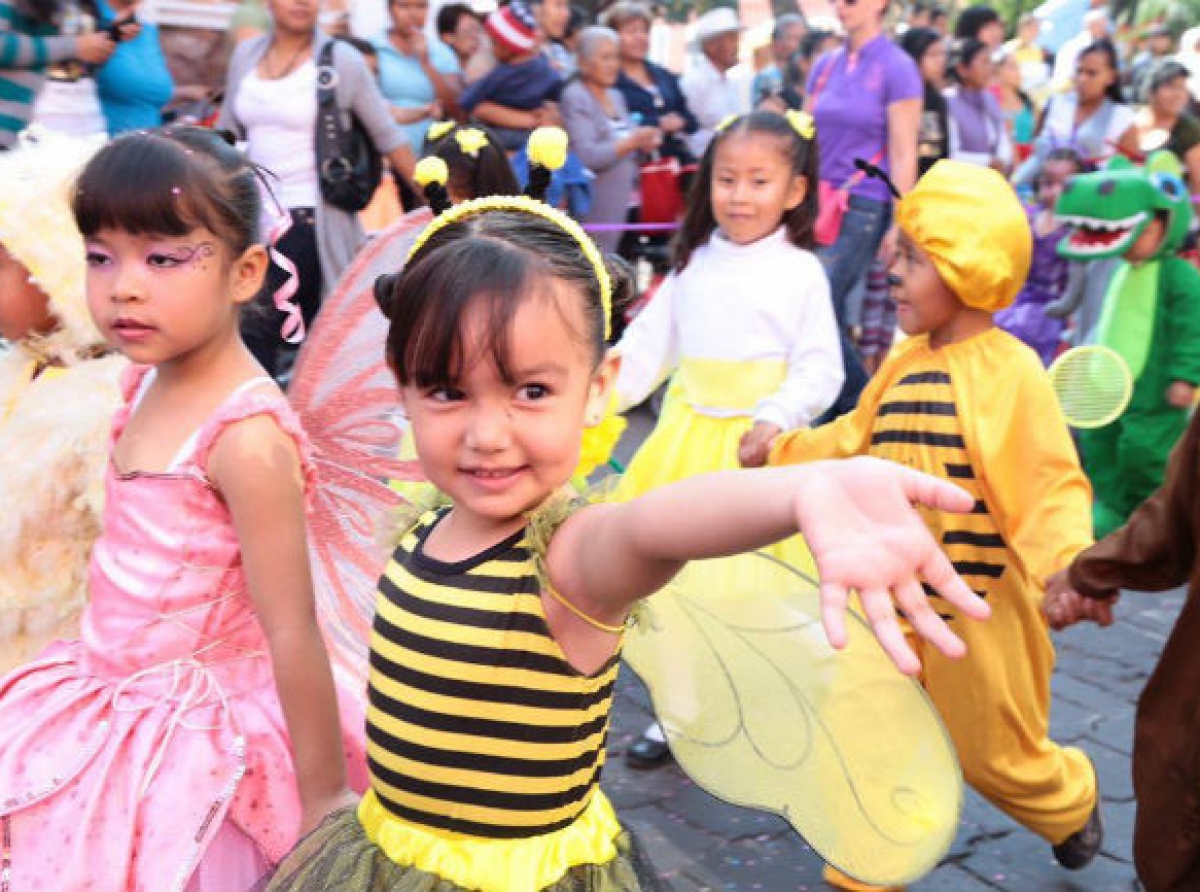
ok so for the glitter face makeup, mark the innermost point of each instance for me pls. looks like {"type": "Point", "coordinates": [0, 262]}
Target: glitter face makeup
{"type": "Point", "coordinates": [160, 299]}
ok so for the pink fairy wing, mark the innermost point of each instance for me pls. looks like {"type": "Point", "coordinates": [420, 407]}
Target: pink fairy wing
{"type": "Point", "coordinates": [347, 401]}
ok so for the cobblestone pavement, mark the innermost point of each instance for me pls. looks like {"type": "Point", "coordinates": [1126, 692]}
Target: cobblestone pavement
{"type": "Point", "coordinates": [700, 843]}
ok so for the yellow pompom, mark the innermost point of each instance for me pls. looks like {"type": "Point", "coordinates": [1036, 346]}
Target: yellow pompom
{"type": "Point", "coordinates": [438, 129]}
{"type": "Point", "coordinates": [431, 170]}
{"type": "Point", "coordinates": [548, 147]}
{"type": "Point", "coordinates": [471, 141]}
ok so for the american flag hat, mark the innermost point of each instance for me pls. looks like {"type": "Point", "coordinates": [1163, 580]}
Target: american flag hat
{"type": "Point", "coordinates": [514, 27]}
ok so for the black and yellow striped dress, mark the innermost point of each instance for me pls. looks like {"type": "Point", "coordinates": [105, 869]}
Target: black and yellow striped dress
{"type": "Point", "coordinates": [485, 745]}
{"type": "Point", "coordinates": [477, 723]}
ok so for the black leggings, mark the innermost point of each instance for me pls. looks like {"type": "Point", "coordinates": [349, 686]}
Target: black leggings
{"type": "Point", "coordinates": [262, 323]}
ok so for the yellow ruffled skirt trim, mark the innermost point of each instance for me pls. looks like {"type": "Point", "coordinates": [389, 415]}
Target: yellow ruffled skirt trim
{"type": "Point", "coordinates": [686, 443]}
{"type": "Point", "coordinates": [495, 865]}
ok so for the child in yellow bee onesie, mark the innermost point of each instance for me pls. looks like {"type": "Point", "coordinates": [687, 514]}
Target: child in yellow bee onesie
{"type": "Point", "coordinates": [964, 400]}
{"type": "Point", "coordinates": [58, 391]}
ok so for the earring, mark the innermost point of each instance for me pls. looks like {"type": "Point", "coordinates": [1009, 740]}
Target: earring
{"type": "Point", "coordinates": [593, 418]}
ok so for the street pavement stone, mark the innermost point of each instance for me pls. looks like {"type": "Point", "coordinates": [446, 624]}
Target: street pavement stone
{"type": "Point", "coordinates": [701, 844]}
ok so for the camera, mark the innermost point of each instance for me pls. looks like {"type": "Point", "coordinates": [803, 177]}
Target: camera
{"type": "Point", "coordinates": [114, 30]}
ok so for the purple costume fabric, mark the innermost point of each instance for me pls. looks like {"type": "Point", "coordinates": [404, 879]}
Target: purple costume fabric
{"type": "Point", "coordinates": [1026, 319]}
{"type": "Point", "coordinates": [850, 97]}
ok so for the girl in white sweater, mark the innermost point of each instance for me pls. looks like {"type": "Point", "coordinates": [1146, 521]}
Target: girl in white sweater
{"type": "Point", "coordinates": [744, 322]}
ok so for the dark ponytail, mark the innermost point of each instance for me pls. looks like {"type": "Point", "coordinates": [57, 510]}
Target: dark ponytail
{"type": "Point", "coordinates": [438, 197]}
{"type": "Point", "coordinates": [624, 294]}
{"type": "Point", "coordinates": [539, 181]}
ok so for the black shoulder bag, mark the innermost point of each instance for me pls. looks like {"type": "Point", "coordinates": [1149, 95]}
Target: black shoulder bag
{"type": "Point", "coordinates": [349, 166]}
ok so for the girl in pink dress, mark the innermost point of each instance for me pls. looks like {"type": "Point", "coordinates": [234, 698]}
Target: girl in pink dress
{"type": "Point", "coordinates": [192, 733]}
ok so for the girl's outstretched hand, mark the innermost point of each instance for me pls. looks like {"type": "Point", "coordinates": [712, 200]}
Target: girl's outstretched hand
{"type": "Point", "coordinates": [858, 518]}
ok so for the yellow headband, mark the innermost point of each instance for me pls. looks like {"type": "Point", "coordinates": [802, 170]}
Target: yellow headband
{"type": "Point", "coordinates": [527, 205]}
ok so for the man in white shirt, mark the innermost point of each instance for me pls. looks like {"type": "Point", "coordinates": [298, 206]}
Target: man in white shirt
{"type": "Point", "coordinates": [1095, 27]}
{"type": "Point", "coordinates": [711, 93]}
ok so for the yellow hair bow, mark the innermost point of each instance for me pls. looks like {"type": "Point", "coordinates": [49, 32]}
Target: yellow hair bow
{"type": "Point", "coordinates": [725, 122]}
{"type": "Point", "coordinates": [438, 129]}
{"type": "Point", "coordinates": [802, 122]}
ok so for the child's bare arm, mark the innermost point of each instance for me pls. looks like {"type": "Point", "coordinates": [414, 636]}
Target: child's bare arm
{"type": "Point", "coordinates": [496, 115]}
{"type": "Point", "coordinates": [256, 468]}
{"type": "Point", "coordinates": [857, 516]}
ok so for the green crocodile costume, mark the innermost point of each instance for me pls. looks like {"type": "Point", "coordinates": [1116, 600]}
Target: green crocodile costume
{"type": "Point", "coordinates": [1151, 317]}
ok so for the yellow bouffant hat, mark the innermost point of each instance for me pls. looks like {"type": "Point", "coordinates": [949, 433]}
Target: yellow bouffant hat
{"type": "Point", "coordinates": [969, 221]}
{"type": "Point", "coordinates": [38, 229]}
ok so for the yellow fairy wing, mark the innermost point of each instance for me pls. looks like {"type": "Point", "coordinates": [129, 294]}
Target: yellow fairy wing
{"type": "Point", "coordinates": [762, 712]}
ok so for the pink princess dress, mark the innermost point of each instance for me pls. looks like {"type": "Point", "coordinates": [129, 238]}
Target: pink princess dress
{"type": "Point", "coordinates": [152, 755]}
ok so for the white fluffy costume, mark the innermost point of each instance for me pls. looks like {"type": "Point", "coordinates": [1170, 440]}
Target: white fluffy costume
{"type": "Point", "coordinates": [57, 395]}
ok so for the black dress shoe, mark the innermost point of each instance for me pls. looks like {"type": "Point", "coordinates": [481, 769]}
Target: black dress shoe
{"type": "Point", "coordinates": [1079, 849]}
{"type": "Point", "coordinates": [646, 752]}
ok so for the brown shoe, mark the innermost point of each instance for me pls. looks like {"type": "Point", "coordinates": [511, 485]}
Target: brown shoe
{"type": "Point", "coordinates": [834, 877]}
{"type": "Point", "coordinates": [1079, 849]}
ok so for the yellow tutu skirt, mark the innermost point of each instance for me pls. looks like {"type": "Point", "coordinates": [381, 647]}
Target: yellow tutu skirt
{"type": "Point", "coordinates": [370, 850]}
{"type": "Point", "coordinates": [686, 443]}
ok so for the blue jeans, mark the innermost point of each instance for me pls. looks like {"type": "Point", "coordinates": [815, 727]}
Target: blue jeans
{"type": "Point", "coordinates": [846, 262]}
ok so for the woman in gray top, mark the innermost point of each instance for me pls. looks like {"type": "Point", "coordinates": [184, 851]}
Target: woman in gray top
{"type": "Point", "coordinates": [271, 103]}
{"type": "Point", "coordinates": [602, 134]}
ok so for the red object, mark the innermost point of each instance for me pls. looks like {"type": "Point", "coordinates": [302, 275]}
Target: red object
{"type": "Point", "coordinates": [662, 192]}
{"type": "Point", "coordinates": [831, 207]}
{"type": "Point", "coordinates": [514, 27]}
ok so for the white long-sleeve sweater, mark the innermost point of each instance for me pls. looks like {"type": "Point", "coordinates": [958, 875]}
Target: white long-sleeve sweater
{"type": "Point", "coordinates": [740, 303]}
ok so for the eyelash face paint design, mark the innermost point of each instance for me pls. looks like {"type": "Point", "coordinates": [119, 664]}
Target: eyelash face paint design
{"type": "Point", "coordinates": [185, 255]}
{"type": "Point", "coordinates": [196, 256]}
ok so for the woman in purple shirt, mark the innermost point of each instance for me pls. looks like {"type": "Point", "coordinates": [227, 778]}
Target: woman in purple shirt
{"type": "Point", "coordinates": [866, 97]}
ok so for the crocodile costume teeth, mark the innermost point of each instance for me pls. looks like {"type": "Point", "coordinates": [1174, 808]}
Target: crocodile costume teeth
{"type": "Point", "coordinates": [1093, 237]}
{"type": "Point", "coordinates": [1108, 210]}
